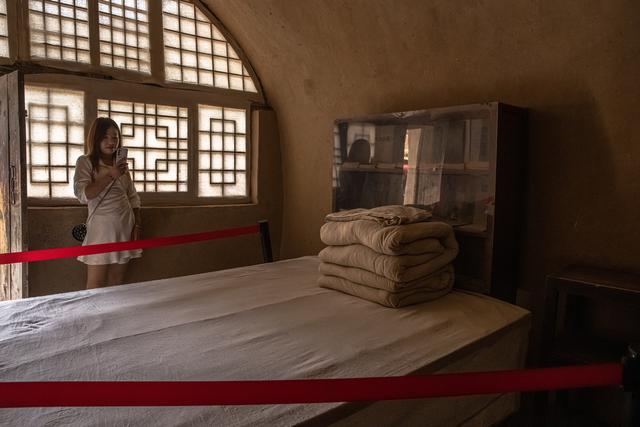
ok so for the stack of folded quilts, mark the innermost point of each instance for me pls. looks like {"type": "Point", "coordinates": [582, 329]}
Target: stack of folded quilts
{"type": "Point", "coordinates": [391, 255]}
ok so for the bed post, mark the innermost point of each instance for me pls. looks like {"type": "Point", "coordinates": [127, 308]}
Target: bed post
{"type": "Point", "coordinates": [265, 239]}
{"type": "Point", "coordinates": [631, 385]}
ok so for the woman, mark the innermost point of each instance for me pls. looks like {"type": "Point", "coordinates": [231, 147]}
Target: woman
{"type": "Point", "coordinates": [108, 190]}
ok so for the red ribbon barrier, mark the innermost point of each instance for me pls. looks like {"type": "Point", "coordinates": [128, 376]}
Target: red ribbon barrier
{"type": "Point", "coordinates": [73, 251]}
{"type": "Point", "coordinates": [189, 393]}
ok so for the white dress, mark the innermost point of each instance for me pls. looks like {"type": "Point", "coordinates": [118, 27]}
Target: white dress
{"type": "Point", "coordinates": [113, 221]}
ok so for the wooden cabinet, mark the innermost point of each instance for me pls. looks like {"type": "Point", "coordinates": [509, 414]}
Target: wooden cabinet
{"type": "Point", "coordinates": [466, 164]}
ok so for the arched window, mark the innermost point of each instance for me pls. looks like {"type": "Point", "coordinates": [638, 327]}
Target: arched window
{"type": "Point", "coordinates": [197, 52]}
{"type": "Point", "coordinates": [166, 71]}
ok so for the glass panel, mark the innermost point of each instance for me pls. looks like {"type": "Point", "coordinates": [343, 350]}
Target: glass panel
{"type": "Point", "coordinates": [54, 125]}
{"type": "Point", "coordinates": [157, 138]}
{"type": "Point", "coordinates": [186, 28]}
{"type": "Point", "coordinates": [436, 160]}
{"type": "Point", "coordinates": [59, 30]}
{"type": "Point", "coordinates": [248, 83]}
{"type": "Point", "coordinates": [221, 79]}
{"type": "Point", "coordinates": [239, 186]}
{"type": "Point", "coordinates": [124, 35]}
{"type": "Point", "coordinates": [222, 151]}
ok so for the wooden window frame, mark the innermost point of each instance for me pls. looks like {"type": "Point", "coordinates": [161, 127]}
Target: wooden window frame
{"type": "Point", "coordinates": [20, 46]}
{"type": "Point", "coordinates": [8, 32]}
{"type": "Point", "coordinates": [130, 92]}
{"type": "Point", "coordinates": [98, 81]}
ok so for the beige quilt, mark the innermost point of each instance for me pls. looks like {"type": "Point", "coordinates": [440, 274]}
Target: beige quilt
{"type": "Point", "coordinates": [407, 239]}
{"type": "Point", "coordinates": [385, 215]}
{"type": "Point", "coordinates": [373, 280]}
{"type": "Point", "coordinates": [439, 285]}
{"type": "Point", "coordinates": [398, 268]}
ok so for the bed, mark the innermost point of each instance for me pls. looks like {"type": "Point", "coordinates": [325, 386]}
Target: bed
{"type": "Point", "coordinates": [267, 321]}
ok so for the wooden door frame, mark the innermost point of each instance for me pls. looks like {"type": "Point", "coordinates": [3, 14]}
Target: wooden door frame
{"type": "Point", "coordinates": [14, 195]}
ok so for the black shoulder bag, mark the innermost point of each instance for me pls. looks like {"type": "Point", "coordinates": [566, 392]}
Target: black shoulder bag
{"type": "Point", "coordinates": [79, 232]}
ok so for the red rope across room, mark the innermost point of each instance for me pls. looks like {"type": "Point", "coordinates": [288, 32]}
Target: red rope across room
{"type": "Point", "coordinates": [73, 251]}
{"type": "Point", "coordinates": [189, 393]}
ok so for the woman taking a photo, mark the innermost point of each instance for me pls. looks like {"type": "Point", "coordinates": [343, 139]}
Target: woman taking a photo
{"type": "Point", "coordinates": [113, 204]}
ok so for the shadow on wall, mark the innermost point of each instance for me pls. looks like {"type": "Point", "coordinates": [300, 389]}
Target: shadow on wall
{"type": "Point", "coordinates": [572, 203]}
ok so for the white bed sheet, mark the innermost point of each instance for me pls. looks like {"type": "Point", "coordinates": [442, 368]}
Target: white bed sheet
{"type": "Point", "coordinates": [268, 321]}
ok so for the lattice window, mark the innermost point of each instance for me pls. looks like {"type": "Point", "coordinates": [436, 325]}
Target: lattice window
{"type": "Point", "coordinates": [157, 139]}
{"type": "Point", "coordinates": [196, 52]}
{"type": "Point", "coordinates": [124, 34]}
{"type": "Point", "coordinates": [55, 139]}
{"type": "Point", "coordinates": [222, 152]}
{"type": "Point", "coordinates": [60, 30]}
{"type": "Point", "coordinates": [192, 145]}
{"type": "Point", "coordinates": [4, 30]}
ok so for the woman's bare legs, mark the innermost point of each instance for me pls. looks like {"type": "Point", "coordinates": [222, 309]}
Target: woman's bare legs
{"type": "Point", "coordinates": [99, 276]}
{"type": "Point", "coordinates": [96, 276]}
{"type": "Point", "coordinates": [115, 274]}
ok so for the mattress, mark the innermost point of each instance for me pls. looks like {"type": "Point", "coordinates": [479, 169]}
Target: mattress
{"type": "Point", "coordinates": [268, 321]}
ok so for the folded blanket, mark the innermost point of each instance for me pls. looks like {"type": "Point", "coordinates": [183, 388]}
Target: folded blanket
{"type": "Point", "coordinates": [441, 285]}
{"type": "Point", "coordinates": [397, 268]}
{"type": "Point", "coordinates": [407, 239]}
{"type": "Point", "coordinates": [373, 280]}
{"type": "Point", "coordinates": [384, 215]}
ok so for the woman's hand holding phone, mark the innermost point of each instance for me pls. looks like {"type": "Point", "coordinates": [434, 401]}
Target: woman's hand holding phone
{"type": "Point", "coordinates": [121, 155]}
{"type": "Point", "coordinates": [120, 167]}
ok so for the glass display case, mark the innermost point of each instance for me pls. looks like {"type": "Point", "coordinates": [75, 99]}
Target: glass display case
{"type": "Point", "coordinates": [465, 164]}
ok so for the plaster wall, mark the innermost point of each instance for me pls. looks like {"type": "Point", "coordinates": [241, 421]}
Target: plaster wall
{"type": "Point", "coordinates": [573, 63]}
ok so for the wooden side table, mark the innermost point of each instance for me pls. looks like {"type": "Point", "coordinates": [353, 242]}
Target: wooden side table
{"type": "Point", "coordinates": [568, 340]}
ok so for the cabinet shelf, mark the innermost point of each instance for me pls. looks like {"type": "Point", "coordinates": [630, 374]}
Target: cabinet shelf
{"type": "Point", "coordinates": [370, 169]}
{"type": "Point", "coordinates": [473, 230]}
{"type": "Point", "coordinates": [446, 171]}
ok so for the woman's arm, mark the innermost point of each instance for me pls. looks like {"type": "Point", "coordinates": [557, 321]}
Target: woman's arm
{"type": "Point", "coordinates": [134, 200]}
{"type": "Point", "coordinates": [136, 214]}
{"type": "Point", "coordinates": [100, 183]}
{"type": "Point", "coordinates": [136, 233]}
{"type": "Point", "coordinates": [81, 178]}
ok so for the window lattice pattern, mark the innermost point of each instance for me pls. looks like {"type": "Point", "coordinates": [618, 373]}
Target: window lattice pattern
{"type": "Point", "coordinates": [196, 52]}
{"type": "Point", "coordinates": [222, 152]}
{"type": "Point", "coordinates": [59, 29]}
{"type": "Point", "coordinates": [4, 30]}
{"type": "Point", "coordinates": [157, 139]}
{"type": "Point", "coordinates": [55, 140]}
{"type": "Point", "coordinates": [124, 34]}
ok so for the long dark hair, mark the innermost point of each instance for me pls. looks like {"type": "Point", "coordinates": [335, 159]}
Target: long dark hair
{"type": "Point", "coordinates": [98, 130]}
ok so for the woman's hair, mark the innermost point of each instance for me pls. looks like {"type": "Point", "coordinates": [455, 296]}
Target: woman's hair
{"type": "Point", "coordinates": [98, 130]}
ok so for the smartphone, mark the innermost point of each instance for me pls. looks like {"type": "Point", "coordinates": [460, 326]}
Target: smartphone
{"type": "Point", "coordinates": [121, 155]}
